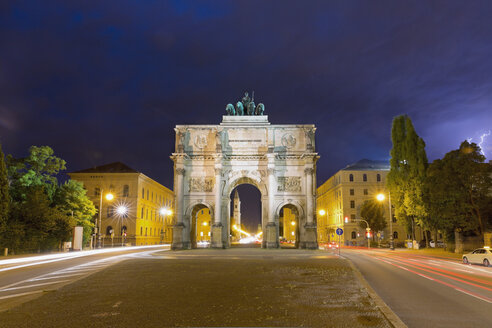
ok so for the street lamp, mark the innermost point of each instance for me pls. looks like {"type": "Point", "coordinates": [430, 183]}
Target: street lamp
{"type": "Point", "coordinates": [164, 211]}
{"type": "Point", "coordinates": [109, 196]}
{"type": "Point", "coordinates": [381, 197]}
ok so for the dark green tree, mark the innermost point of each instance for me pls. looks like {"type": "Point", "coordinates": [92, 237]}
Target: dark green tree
{"type": "Point", "coordinates": [71, 198]}
{"type": "Point", "coordinates": [459, 191]}
{"type": "Point", "coordinates": [373, 212]}
{"type": "Point", "coordinates": [407, 174]}
{"type": "Point", "coordinates": [38, 169]}
{"type": "Point", "coordinates": [4, 195]}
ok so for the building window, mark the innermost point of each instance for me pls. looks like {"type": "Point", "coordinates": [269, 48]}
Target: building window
{"type": "Point", "coordinates": [141, 214]}
{"type": "Point", "coordinates": [366, 192]}
{"type": "Point", "coordinates": [352, 217]}
{"type": "Point", "coordinates": [109, 230]}
{"type": "Point", "coordinates": [146, 231]}
{"type": "Point", "coordinates": [126, 190]}
{"type": "Point", "coordinates": [351, 178]}
{"type": "Point", "coordinates": [378, 177]}
{"type": "Point", "coordinates": [354, 235]}
{"type": "Point", "coordinates": [364, 177]}
{"type": "Point", "coordinates": [394, 219]}
{"type": "Point", "coordinates": [352, 204]}
{"type": "Point", "coordinates": [395, 234]}
{"type": "Point", "coordinates": [143, 193]}
{"type": "Point", "coordinates": [97, 191]}
{"type": "Point", "coordinates": [152, 196]}
{"type": "Point", "coordinates": [110, 211]}
{"type": "Point", "coordinates": [146, 214]}
{"type": "Point", "coordinates": [352, 192]}
{"type": "Point", "coordinates": [141, 231]}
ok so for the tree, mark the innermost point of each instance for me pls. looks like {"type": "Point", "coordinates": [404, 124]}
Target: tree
{"type": "Point", "coordinates": [4, 194]}
{"type": "Point", "coordinates": [407, 173]}
{"type": "Point", "coordinates": [71, 198]}
{"type": "Point", "coordinates": [373, 212]}
{"type": "Point", "coordinates": [35, 225]}
{"type": "Point", "coordinates": [458, 191]}
{"type": "Point", "coordinates": [39, 168]}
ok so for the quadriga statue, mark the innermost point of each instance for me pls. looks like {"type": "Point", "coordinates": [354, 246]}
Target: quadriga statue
{"type": "Point", "coordinates": [251, 108]}
{"type": "Point", "coordinates": [260, 109]}
{"type": "Point", "coordinates": [239, 108]}
{"type": "Point", "coordinates": [230, 109]}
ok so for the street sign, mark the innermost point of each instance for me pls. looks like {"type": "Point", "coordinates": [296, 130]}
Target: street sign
{"type": "Point", "coordinates": [339, 231]}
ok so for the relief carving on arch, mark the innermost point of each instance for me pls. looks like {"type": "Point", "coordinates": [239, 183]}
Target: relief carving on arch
{"type": "Point", "coordinates": [201, 184]}
{"type": "Point", "coordinates": [289, 184]}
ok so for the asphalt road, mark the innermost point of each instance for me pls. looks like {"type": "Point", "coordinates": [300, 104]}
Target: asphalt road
{"type": "Point", "coordinates": [25, 278]}
{"type": "Point", "coordinates": [426, 291]}
{"type": "Point", "coordinates": [209, 288]}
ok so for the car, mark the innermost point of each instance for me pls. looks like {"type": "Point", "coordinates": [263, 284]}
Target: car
{"type": "Point", "coordinates": [331, 245]}
{"type": "Point", "coordinates": [439, 244]}
{"type": "Point", "coordinates": [480, 256]}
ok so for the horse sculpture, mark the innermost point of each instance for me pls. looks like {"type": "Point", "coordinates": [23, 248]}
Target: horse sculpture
{"type": "Point", "coordinates": [230, 109]}
{"type": "Point", "coordinates": [260, 109]}
{"type": "Point", "coordinates": [239, 108]}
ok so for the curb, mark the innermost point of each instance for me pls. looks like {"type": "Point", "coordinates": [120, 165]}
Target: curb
{"type": "Point", "coordinates": [391, 316]}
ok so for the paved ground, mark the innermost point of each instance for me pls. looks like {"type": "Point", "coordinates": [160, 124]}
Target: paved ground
{"type": "Point", "coordinates": [233, 287]}
{"type": "Point", "coordinates": [427, 291]}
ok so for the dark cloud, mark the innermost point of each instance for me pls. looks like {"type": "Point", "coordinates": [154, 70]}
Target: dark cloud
{"type": "Point", "coordinates": [102, 81]}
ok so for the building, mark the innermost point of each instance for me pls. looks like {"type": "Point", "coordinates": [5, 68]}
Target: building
{"type": "Point", "coordinates": [288, 225]}
{"type": "Point", "coordinates": [203, 224]}
{"type": "Point", "coordinates": [340, 198]}
{"type": "Point", "coordinates": [141, 212]}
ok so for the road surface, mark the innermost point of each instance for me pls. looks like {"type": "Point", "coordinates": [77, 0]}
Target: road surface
{"type": "Point", "coordinates": [24, 278]}
{"type": "Point", "coordinates": [427, 291]}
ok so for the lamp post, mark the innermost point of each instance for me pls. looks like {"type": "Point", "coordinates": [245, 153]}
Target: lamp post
{"type": "Point", "coordinates": [109, 197]}
{"type": "Point", "coordinates": [165, 212]}
{"type": "Point", "coordinates": [122, 211]}
{"type": "Point", "coordinates": [321, 214]}
{"type": "Point", "coordinates": [381, 197]}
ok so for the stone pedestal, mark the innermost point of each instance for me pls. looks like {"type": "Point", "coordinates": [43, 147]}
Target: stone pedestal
{"type": "Point", "coordinates": [178, 242]}
{"type": "Point", "coordinates": [217, 235]}
{"type": "Point", "coordinates": [309, 241]}
{"type": "Point", "coordinates": [271, 236]}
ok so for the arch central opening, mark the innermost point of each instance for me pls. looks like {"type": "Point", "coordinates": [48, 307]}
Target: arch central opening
{"type": "Point", "coordinates": [245, 215]}
{"type": "Point", "coordinates": [289, 226]}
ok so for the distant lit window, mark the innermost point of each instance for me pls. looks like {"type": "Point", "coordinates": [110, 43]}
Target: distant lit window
{"type": "Point", "coordinates": [97, 191]}
{"type": "Point", "coordinates": [366, 192]}
{"type": "Point", "coordinates": [143, 193]}
{"type": "Point", "coordinates": [146, 231]}
{"type": "Point", "coordinates": [351, 178]}
{"type": "Point", "coordinates": [141, 231]}
{"type": "Point", "coordinates": [352, 204]}
{"type": "Point", "coordinates": [202, 212]}
{"type": "Point", "coordinates": [141, 215]}
{"type": "Point", "coordinates": [110, 211]}
{"type": "Point", "coordinates": [378, 177]}
{"type": "Point", "coordinates": [354, 235]}
{"type": "Point", "coordinates": [126, 190]}
{"type": "Point", "coordinates": [364, 177]}
{"type": "Point", "coordinates": [352, 192]}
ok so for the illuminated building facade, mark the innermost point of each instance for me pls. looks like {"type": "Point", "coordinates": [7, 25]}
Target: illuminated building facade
{"type": "Point", "coordinates": [340, 199]}
{"type": "Point", "coordinates": [203, 224]}
{"type": "Point", "coordinates": [141, 212]}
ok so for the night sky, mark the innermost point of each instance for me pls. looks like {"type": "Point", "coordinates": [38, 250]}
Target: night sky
{"type": "Point", "coordinates": [106, 81]}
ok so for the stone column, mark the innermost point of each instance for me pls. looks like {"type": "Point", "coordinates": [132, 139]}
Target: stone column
{"type": "Point", "coordinates": [271, 233]}
{"type": "Point", "coordinates": [217, 226]}
{"type": "Point", "coordinates": [309, 240]}
{"type": "Point", "coordinates": [178, 242]}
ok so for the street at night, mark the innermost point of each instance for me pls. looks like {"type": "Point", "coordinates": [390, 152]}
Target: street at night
{"type": "Point", "coordinates": [246, 163]}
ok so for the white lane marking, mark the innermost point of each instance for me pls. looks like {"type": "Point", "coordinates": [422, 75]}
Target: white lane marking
{"type": "Point", "coordinates": [425, 276]}
{"type": "Point", "coordinates": [34, 285]}
{"type": "Point", "coordinates": [21, 294]}
{"type": "Point", "coordinates": [480, 298]}
{"type": "Point", "coordinates": [57, 277]}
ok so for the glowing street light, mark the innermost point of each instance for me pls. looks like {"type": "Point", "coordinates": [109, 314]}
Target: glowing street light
{"type": "Point", "coordinates": [164, 211]}
{"type": "Point", "coordinates": [293, 223]}
{"type": "Point", "coordinates": [322, 212]}
{"type": "Point", "coordinates": [109, 197]}
{"type": "Point", "coordinates": [381, 197]}
{"type": "Point", "coordinates": [122, 210]}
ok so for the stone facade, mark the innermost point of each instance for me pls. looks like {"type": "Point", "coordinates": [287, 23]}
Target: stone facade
{"type": "Point", "coordinates": [211, 160]}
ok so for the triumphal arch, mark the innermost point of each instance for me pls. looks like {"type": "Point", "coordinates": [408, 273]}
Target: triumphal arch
{"type": "Point", "coordinates": [211, 160]}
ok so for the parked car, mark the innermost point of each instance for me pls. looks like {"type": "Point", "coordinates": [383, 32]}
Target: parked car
{"type": "Point", "coordinates": [438, 244]}
{"type": "Point", "coordinates": [331, 245]}
{"type": "Point", "coordinates": [480, 256]}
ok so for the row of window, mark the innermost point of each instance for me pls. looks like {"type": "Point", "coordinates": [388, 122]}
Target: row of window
{"type": "Point", "coordinates": [364, 177]}
{"type": "Point", "coordinates": [125, 193]}
{"type": "Point", "coordinates": [154, 214]}
{"type": "Point", "coordinates": [153, 232]}
{"type": "Point", "coordinates": [365, 191]}
{"type": "Point", "coordinates": [158, 198]}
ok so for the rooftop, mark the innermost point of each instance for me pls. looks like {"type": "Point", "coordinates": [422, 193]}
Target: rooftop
{"type": "Point", "coordinates": [367, 165]}
{"type": "Point", "coordinates": [116, 167]}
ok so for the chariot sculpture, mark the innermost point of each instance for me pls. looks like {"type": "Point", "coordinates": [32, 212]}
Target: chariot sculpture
{"type": "Point", "coordinates": [245, 107]}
